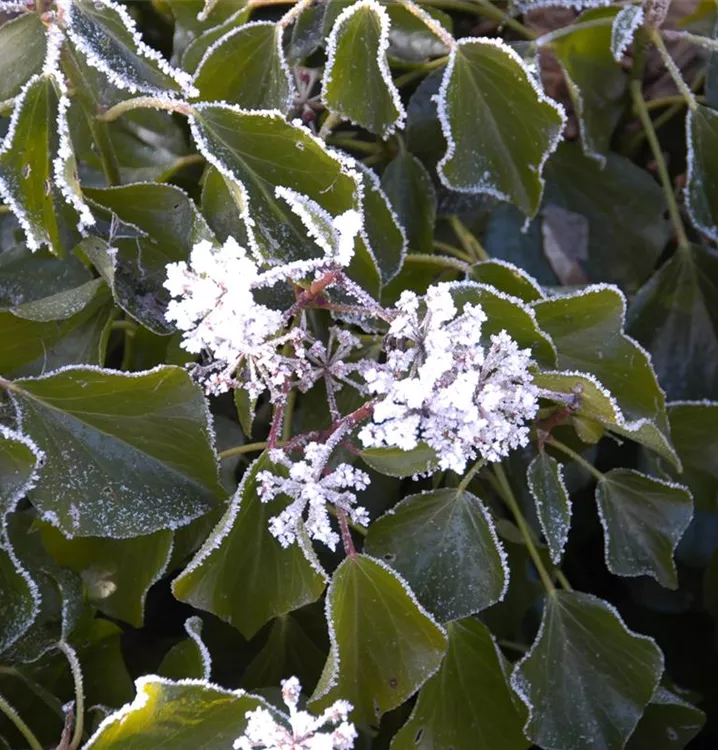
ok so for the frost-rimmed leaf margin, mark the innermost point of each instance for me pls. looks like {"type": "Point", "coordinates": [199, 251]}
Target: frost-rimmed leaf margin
{"type": "Point", "coordinates": [522, 275]}
{"type": "Point", "coordinates": [180, 77]}
{"type": "Point", "coordinates": [692, 180]}
{"type": "Point", "coordinates": [382, 62]}
{"type": "Point", "coordinates": [526, 5]}
{"type": "Point", "coordinates": [330, 675]}
{"type": "Point", "coordinates": [193, 628]}
{"type": "Point", "coordinates": [440, 100]}
{"type": "Point", "coordinates": [556, 552]}
{"type": "Point", "coordinates": [278, 29]}
{"type": "Point", "coordinates": [142, 698]}
{"type": "Point", "coordinates": [11, 503]}
{"type": "Point", "coordinates": [623, 29]}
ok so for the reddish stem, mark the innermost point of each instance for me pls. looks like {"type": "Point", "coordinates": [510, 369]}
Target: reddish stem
{"type": "Point", "coordinates": [347, 540]}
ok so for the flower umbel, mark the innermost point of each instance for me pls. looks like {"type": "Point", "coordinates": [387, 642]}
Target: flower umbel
{"type": "Point", "coordinates": [441, 386]}
{"type": "Point", "coordinates": [303, 733]}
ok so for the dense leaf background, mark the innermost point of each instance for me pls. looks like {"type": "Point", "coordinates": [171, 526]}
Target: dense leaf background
{"type": "Point", "coordinates": [559, 161]}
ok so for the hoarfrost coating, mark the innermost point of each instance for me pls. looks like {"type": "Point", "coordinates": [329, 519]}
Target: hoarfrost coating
{"type": "Point", "coordinates": [304, 731]}
{"type": "Point", "coordinates": [441, 386]}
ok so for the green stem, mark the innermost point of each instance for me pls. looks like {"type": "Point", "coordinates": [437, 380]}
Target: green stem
{"type": "Point", "coordinates": [21, 726]}
{"type": "Point", "coordinates": [667, 101]}
{"type": "Point", "coordinates": [124, 325]}
{"type": "Point", "coordinates": [240, 450]}
{"type": "Point", "coordinates": [510, 500]}
{"type": "Point", "coordinates": [146, 102]}
{"type": "Point", "coordinates": [561, 578]}
{"type": "Point", "coordinates": [419, 71]}
{"type": "Point", "coordinates": [470, 474]}
{"type": "Point", "coordinates": [577, 457]}
{"type": "Point", "coordinates": [289, 415]}
{"type": "Point", "coordinates": [179, 164]}
{"type": "Point", "coordinates": [445, 247]}
{"type": "Point", "coordinates": [467, 239]}
{"type": "Point", "coordinates": [639, 104]}
{"type": "Point", "coordinates": [439, 260]}
{"type": "Point", "coordinates": [672, 68]}
{"type": "Point", "coordinates": [76, 670]}
{"type": "Point", "coordinates": [487, 10]}
{"type": "Point", "coordinates": [552, 36]}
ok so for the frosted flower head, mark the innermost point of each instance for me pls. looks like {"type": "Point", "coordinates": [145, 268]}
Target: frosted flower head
{"type": "Point", "coordinates": [312, 488]}
{"type": "Point", "coordinates": [302, 730]}
{"type": "Point", "coordinates": [441, 386]}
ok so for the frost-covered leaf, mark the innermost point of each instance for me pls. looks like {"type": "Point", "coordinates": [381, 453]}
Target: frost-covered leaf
{"type": "Point", "coordinates": [19, 595]}
{"type": "Point", "coordinates": [624, 28]}
{"type": "Point", "coordinates": [128, 455]}
{"type": "Point", "coordinates": [444, 544]}
{"type": "Point", "coordinates": [357, 83]}
{"type": "Point", "coordinates": [467, 703]}
{"type": "Point", "coordinates": [587, 328]}
{"type": "Point", "coordinates": [553, 505]}
{"type": "Point", "coordinates": [223, 207]}
{"type": "Point", "coordinates": [596, 82]}
{"type": "Point", "coordinates": [194, 713]}
{"type": "Point", "coordinates": [384, 645]}
{"type": "Point", "coordinates": [398, 463]}
{"type": "Point", "coordinates": [34, 154]}
{"type": "Point", "coordinates": [499, 124]}
{"type": "Point", "coordinates": [247, 67]}
{"type": "Point", "coordinates": [587, 678]}
{"type": "Point", "coordinates": [507, 278]}
{"type": "Point", "coordinates": [148, 226]}
{"type": "Point", "coordinates": [624, 207]}
{"type": "Point", "coordinates": [384, 231]}
{"type": "Point", "coordinates": [693, 432]}
{"type": "Point", "coordinates": [411, 193]}
{"type": "Point", "coordinates": [37, 340]}
{"type": "Point", "coordinates": [675, 316]}
{"type": "Point", "coordinates": [410, 39]}
{"type": "Point", "coordinates": [643, 520]}
{"type": "Point", "coordinates": [105, 34]}
{"type": "Point", "coordinates": [242, 574]}
{"type": "Point", "coordinates": [297, 644]}
{"type": "Point", "coordinates": [189, 658]}
{"type": "Point", "coordinates": [702, 186]}
{"type": "Point", "coordinates": [196, 49]}
{"type": "Point", "coordinates": [22, 51]}
{"type": "Point", "coordinates": [259, 152]}
{"type": "Point", "coordinates": [668, 723]}
{"type": "Point", "coordinates": [117, 573]}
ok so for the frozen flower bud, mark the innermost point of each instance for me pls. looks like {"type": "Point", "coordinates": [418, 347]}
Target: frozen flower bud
{"type": "Point", "coordinates": [300, 730]}
{"type": "Point", "coordinates": [441, 386]}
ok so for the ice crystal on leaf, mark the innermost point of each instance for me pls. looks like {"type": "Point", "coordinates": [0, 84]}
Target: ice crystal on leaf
{"type": "Point", "coordinates": [440, 385]}
{"type": "Point", "coordinates": [310, 484]}
{"type": "Point", "coordinates": [304, 731]}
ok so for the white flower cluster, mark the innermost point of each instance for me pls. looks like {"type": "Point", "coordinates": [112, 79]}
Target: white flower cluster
{"type": "Point", "coordinates": [310, 484]}
{"type": "Point", "coordinates": [441, 386]}
{"type": "Point", "coordinates": [303, 733]}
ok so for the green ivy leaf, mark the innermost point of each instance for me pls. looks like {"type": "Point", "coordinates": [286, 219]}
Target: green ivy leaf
{"type": "Point", "coordinates": [117, 573]}
{"type": "Point", "coordinates": [587, 678]}
{"type": "Point", "coordinates": [247, 67]}
{"type": "Point", "coordinates": [68, 327]}
{"type": "Point", "coordinates": [128, 454]}
{"type": "Point", "coordinates": [444, 544]}
{"type": "Point", "coordinates": [189, 658]}
{"type": "Point", "coordinates": [105, 34]}
{"type": "Point", "coordinates": [702, 185]}
{"type": "Point", "coordinates": [27, 173]}
{"type": "Point", "coordinates": [486, 92]}
{"type": "Point", "coordinates": [669, 723]}
{"type": "Point", "coordinates": [161, 224]}
{"type": "Point", "coordinates": [682, 296]}
{"type": "Point", "coordinates": [623, 29]}
{"type": "Point", "coordinates": [193, 713]}
{"type": "Point", "coordinates": [223, 206]}
{"type": "Point", "coordinates": [22, 52]}
{"type": "Point", "coordinates": [357, 83]}
{"type": "Point", "coordinates": [410, 39]}
{"type": "Point", "coordinates": [20, 600]}
{"type": "Point", "coordinates": [553, 505]}
{"type": "Point", "coordinates": [467, 703]}
{"type": "Point", "coordinates": [398, 463]}
{"type": "Point", "coordinates": [507, 278]}
{"type": "Point", "coordinates": [411, 193]}
{"type": "Point", "coordinates": [643, 520]}
{"type": "Point", "coordinates": [624, 207]}
{"type": "Point", "coordinates": [384, 646]}
{"type": "Point", "coordinates": [596, 81]}
{"type": "Point", "coordinates": [696, 439]}
{"type": "Point", "coordinates": [241, 573]}
{"type": "Point", "coordinates": [196, 49]}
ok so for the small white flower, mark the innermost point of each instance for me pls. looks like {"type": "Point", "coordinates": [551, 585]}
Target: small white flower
{"type": "Point", "coordinates": [303, 732]}
{"type": "Point", "coordinates": [312, 487]}
{"type": "Point", "coordinates": [441, 386]}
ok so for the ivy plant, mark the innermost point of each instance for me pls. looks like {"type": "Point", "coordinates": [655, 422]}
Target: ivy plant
{"type": "Point", "coordinates": [359, 374]}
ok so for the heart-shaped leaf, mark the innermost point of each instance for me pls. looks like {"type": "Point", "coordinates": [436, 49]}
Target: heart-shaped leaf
{"type": "Point", "coordinates": [669, 723]}
{"type": "Point", "coordinates": [189, 658]}
{"type": "Point", "coordinates": [444, 544]}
